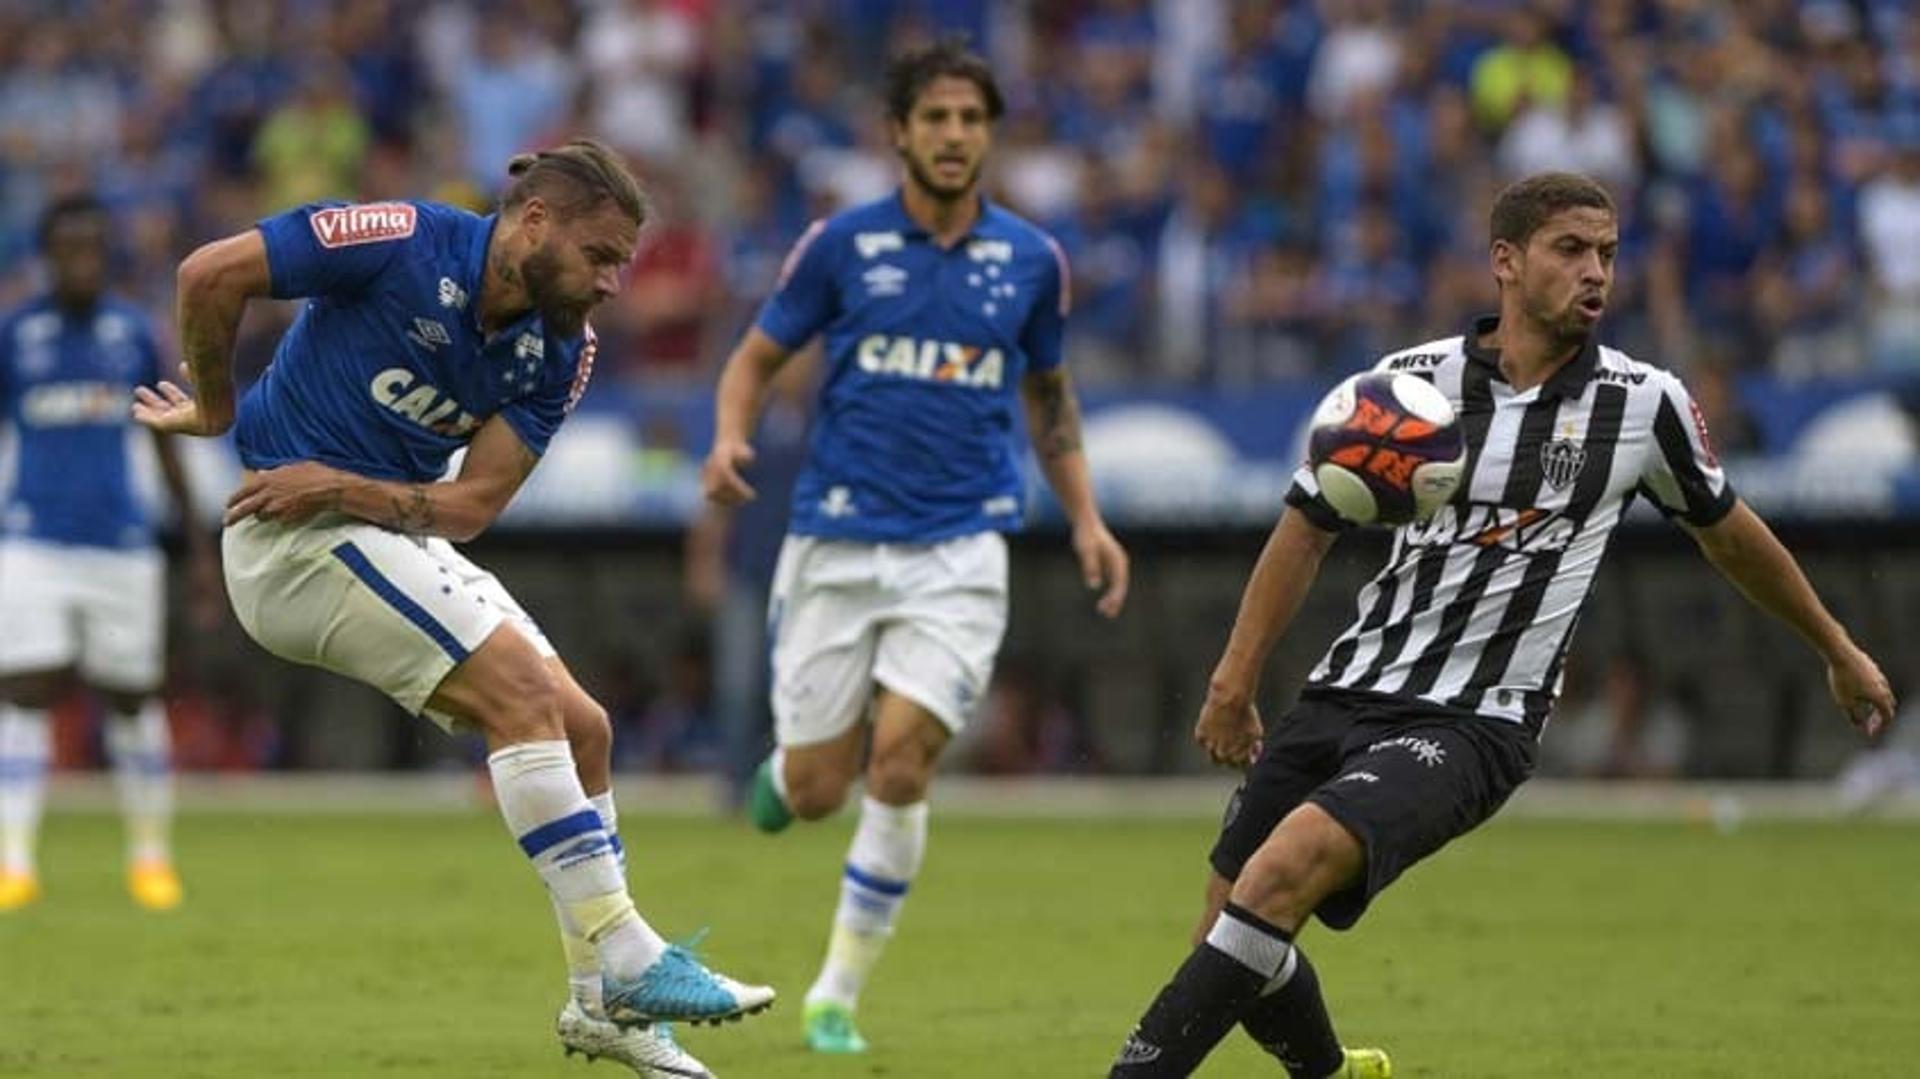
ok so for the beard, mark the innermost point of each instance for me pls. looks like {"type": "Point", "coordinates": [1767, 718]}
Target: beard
{"type": "Point", "coordinates": [562, 315]}
{"type": "Point", "coordinates": [927, 182]}
{"type": "Point", "coordinates": [1563, 325]}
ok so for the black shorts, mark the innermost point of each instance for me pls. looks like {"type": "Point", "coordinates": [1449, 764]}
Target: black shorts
{"type": "Point", "coordinates": [1402, 776]}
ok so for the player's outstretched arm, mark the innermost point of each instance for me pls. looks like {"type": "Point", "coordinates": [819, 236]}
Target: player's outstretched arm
{"type": "Point", "coordinates": [1229, 725]}
{"type": "Point", "coordinates": [1053, 425]}
{"type": "Point", "coordinates": [497, 463]}
{"type": "Point", "coordinates": [736, 412]}
{"type": "Point", "coordinates": [214, 285]}
{"type": "Point", "coordinates": [1746, 552]}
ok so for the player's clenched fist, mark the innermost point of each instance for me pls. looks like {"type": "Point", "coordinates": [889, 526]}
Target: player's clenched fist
{"type": "Point", "coordinates": [720, 477]}
{"type": "Point", "coordinates": [1229, 730]}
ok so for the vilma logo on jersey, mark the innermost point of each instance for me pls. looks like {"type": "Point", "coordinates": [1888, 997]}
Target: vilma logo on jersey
{"type": "Point", "coordinates": [932, 361]}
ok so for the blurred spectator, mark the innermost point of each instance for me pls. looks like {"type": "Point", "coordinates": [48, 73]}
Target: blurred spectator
{"type": "Point", "coordinates": [640, 55]}
{"type": "Point", "coordinates": [1207, 164]}
{"type": "Point", "coordinates": [1357, 56]}
{"type": "Point", "coordinates": [658, 326]}
{"type": "Point", "coordinates": [313, 145]}
{"type": "Point", "coordinates": [1581, 134]}
{"type": "Point", "coordinates": [1806, 296]}
{"type": "Point", "coordinates": [1890, 233]}
{"type": "Point", "coordinates": [1526, 68]}
{"type": "Point", "coordinates": [517, 86]}
{"type": "Point", "coordinates": [1206, 243]}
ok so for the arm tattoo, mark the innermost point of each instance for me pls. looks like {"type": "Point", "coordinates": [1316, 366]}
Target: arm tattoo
{"type": "Point", "coordinates": [1058, 432]}
{"type": "Point", "coordinates": [412, 510]}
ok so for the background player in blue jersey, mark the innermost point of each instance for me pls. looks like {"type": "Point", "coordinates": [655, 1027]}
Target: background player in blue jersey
{"type": "Point", "coordinates": [429, 330]}
{"type": "Point", "coordinates": [82, 586]}
{"type": "Point", "coordinates": [890, 597]}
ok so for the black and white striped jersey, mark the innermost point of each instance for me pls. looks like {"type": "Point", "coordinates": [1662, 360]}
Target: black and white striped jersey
{"type": "Point", "coordinates": [1475, 608]}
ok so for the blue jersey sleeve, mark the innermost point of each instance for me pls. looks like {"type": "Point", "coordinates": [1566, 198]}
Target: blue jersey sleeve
{"type": "Point", "coordinates": [1047, 323]}
{"type": "Point", "coordinates": [331, 249]}
{"type": "Point", "coordinates": [537, 416]}
{"type": "Point", "coordinates": [805, 300]}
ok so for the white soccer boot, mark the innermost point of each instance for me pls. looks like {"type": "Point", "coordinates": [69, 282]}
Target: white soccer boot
{"type": "Point", "coordinates": [649, 1050]}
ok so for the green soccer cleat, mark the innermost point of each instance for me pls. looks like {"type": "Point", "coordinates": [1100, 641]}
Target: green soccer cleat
{"type": "Point", "coordinates": [1365, 1064]}
{"type": "Point", "coordinates": [830, 1029]}
{"type": "Point", "coordinates": [764, 807]}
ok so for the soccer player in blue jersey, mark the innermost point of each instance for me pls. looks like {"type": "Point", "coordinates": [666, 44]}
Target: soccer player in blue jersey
{"type": "Point", "coordinates": [890, 597]}
{"type": "Point", "coordinates": [82, 586]}
{"type": "Point", "coordinates": [428, 330]}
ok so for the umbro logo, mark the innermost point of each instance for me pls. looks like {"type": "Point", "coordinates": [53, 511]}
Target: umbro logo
{"type": "Point", "coordinates": [429, 334]}
{"type": "Point", "coordinates": [885, 279]}
{"type": "Point", "coordinates": [1137, 1051]}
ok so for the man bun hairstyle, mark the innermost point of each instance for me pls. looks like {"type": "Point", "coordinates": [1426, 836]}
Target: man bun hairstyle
{"type": "Point", "coordinates": [909, 73]}
{"type": "Point", "coordinates": [77, 204]}
{"type": "Point", "coordinates": [1525, 205]}
{"type": "Point", "coordinates": [575, 178]}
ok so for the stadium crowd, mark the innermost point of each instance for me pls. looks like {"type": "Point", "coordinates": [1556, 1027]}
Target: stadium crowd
{"type": "Point", "coordinates": [1250, 191]}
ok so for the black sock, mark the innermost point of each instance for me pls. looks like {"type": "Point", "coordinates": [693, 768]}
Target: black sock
{"type": "Point", "coordinates": [1292, 1023]}
{"type": "Point", "coordinates": [1205, 999]}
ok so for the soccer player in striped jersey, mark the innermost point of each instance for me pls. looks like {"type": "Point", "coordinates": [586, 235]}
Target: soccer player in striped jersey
{"type": "Point", "coordinates": [1422, 717]}
{"type": "Point", "coordinates": [942, 315]}
{"type": "Point", "coordinates": [428, 330]}
{"type": "Point", "coordinates": [82, 586]}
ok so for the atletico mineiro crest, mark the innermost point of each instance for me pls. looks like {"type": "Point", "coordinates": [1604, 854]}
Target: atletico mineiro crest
{"type": "Point", "coordinates": [1560, 460]}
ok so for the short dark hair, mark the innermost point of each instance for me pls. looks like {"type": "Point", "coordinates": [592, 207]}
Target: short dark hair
{"type": "Point", "coordinates": [909, 73]}
{"type": "Point", "coordinates": [65, 208]}
{"type": "Point", "coordinates": [575, 178]}
{"type": "Point", "coordinates": [1525, 205]}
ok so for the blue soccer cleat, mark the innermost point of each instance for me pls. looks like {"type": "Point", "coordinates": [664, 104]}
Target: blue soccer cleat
{"type": "Point", "coordinates": [678, 987]}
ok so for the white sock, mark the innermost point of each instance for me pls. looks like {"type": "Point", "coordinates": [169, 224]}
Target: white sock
{"type": "Point", "coordinates": [141, 749]}
{"type": "Point", "coordinates": [881, 864]}
{"type": "Point", "coordinates": [583, 964]}
{"type": "Point", "coordinates": [777, 772]}
{"type": "Point", "coordinates": [25, 749]}
{"type": "Point", "coordinates": [562, 834]}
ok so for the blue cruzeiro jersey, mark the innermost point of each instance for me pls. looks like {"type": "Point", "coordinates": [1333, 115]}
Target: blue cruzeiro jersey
{"type": "Point", "coordinates": [66, 391]}
{"type": "Point", "coordinates": [386, 371]}
{"type": "Point", "coordinates": [914, 438]}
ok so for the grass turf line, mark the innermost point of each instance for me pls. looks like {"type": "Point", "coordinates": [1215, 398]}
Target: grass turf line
{"type": "Point", "coordinates": [421, 946]}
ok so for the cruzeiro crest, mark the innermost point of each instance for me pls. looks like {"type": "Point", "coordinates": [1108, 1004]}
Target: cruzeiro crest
{"type": "Point", "coordinates": [1561, 460]}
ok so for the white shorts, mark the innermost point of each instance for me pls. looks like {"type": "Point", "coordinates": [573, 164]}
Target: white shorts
{"type": "Point", "coordinates": [394, 611]}
{"type": "Point", "coordinates": [923, 620]}
{"type": "Point", "coordinates": [99, 609]}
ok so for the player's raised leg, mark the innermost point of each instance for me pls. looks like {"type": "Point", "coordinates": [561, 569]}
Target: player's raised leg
{"type": "Point", "coordinates": [885, 856]}
{"type": "Point", "coordinates": [583, 1025]}
{"type": "Point", "coordinates": [506, 690]}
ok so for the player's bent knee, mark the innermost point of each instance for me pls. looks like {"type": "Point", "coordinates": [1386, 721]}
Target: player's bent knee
{"type": "Point", "coordinates": [899, 778]}
{"type": "Point", "coordinates": [589, 730]}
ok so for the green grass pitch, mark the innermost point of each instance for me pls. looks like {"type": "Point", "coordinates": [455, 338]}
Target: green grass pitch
{"type": "Point", "coordinates": [362, 945]}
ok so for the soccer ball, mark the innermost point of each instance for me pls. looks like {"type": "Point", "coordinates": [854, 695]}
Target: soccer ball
{"type": "Point", "coordinates": [1385, 449]}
